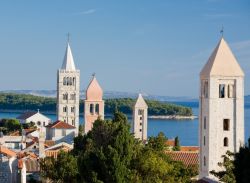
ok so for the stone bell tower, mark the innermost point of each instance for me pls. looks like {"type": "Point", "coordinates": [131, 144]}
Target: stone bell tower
{"type": "Point", "coordinates": [68, 91]}
{"type": "Point", "coordinates": [221, 123]}
{"type": "Point", "coordinates": [140, 119]}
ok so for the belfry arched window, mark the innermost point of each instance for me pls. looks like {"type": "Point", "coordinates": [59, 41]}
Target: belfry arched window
{"type": "Point", "coordinates": [67, 81]}
{"type": "Point", "coordinates": [64, 81]}
{"type": "Point", "coordinates": [91, 109]}
{"type": "Point", "coordinates": [70, 81]}
{"type": "Point", "coordinates": [225, 142]}
{"type": "Point", "coordinates": [97, 109]}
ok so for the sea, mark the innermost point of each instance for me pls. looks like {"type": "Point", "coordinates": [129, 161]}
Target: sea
{"type": "Point", "coordinates": [186, 130]}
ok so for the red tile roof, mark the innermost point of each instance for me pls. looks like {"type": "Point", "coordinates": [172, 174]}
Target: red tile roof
{"type": "Point", "coordinates": [6, 151]}
{"type": "Point", "coordinates": [60, 125]}
{"type": "Point", "coordinates": [186, 157]}
{"type": "Point", "coordinates": [170, 142]}
{"type": "Point", "coordinates": [189, 148]}
{"type": "Point", "coordinates": [26, 115]}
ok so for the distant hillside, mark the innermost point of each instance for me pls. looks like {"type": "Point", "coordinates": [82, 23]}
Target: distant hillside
{"type": "Point", "coordinates": [107, 95]}
{"type": "Point", "coordinates": [24, 102]}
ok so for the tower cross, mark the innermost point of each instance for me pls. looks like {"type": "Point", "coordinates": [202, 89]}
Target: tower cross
{"type": "Point", "coordinates": [222, 31]}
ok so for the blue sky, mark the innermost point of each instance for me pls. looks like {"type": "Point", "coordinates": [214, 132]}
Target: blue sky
{"type": "Point", "coordinates": [156, 47]}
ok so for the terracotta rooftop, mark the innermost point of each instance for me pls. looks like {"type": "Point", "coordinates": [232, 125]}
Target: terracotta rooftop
{"type": "Point", "coordinates": [170, 142]}
{"type": "Point", "coordinates": [26, 115]}
{"type": "Point", "coordinates": [49, 143]}
{"type": "Point", "coordinates": [7, 152]}
{"type": "Point", "coordinates": [187, 158]}
{"type": "Point", "coordinates": [60, 124]}
{"type": "Point", "coordinates": [190, 148]}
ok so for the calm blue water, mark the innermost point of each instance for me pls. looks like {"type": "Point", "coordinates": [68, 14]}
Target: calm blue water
{"type": "Point", "coordinates": [187, 130]}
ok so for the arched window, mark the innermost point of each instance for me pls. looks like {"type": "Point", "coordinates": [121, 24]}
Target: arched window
{"type": "Point", "coordinates": [222, 91]}
{"type": "Point", "coordinates": [74, 81]}
{"type": "Point", "coordinates": [204, 139]}
{"type": "Point", "coordinates": [97, 109]}
{"type": "Point", "coordinates": [205, 89]}
{"type": "Point", "coordinates": [70, 81]}
{"type": "Point", "coordinates": [64, 81]}
{"type": "Point", "coordinates": [204, 161]}
{"type": "Point", "coordinates": [67, 81]}
{"type": "Point", "coordinates": [38, 123]}
{"type": "Point", "coordinates": [91, 109]}
{"type": "Point", "coordinates": [225, 142]}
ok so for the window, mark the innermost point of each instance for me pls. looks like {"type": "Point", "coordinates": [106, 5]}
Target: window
{"type": "Point", "coordinates": [64, 109]}
{"type": "Point", "coordinates": [73, 122]}
{"type": "Point", "coordinates": [226, 124]}
{"type": "Point", "coordinates": [44, 123]}
{"type": "Point", "coordinates": [70, 81]}
{"type": "Point", "coordinates": [38, 123]}
{"type": "Point", "coordinates": [230, 91]}
{"type": "Point", "coordinates": [225, 142]}
{"type": "Point", "coordinates": [64, 81]}
{"type": "Point", "coordinates": [204, 140]}
{"type": "Point", "coordinates": [97, 109]}
{"type": "Point", "coordinates": [141, 118]}
{"type": "Point", "coordinates": [91, 109]}
{"type": "Point", "coordinates": [74, 81]}
{"type": "Point", "coordinates": [140, 112]}
{"type": "Point", "coordinates": [140, 130]}
{"type": "Point", "coordinates": [72, 109]}
{"type": "Point", "coordinates": [67, 81]}
{"type": "Point", "coordinates": [205, 122]}
{"type": "Point", "coordinates": [205, 89]}
{"type": "Point", "coordinates": [65, 96]}
{"type": "Point", "coordinates": [204, 161]}
{"type": "Point", "coordinates": [140, 124]}
{"type": "Point", "coordinates": [222, 91]}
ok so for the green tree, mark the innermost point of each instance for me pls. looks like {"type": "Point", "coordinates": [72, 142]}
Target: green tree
{"type": "Point", "coordinates": [10, 125]}
{"type": "Point", "coordinates": [177, 146]}
{"type": "Point", "coordinates": [107, 151]}
{"type": "Point", "coordinates": [62, 169]}
{"type": "Point", "coordinates": [158, 143]}
{"type": "Point", "coordinates": [227, 173]}
{"type": "Point", "coordinates": [242, 164]}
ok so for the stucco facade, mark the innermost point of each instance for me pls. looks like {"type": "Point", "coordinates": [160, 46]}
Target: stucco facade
{"type": "Point", "coordinates": [93, 105]}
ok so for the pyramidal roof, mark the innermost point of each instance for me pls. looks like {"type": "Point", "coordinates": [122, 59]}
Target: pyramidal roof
{"type": "Point", "coordinates": [94, 90]}
{"type": "Point", "coordinates": [222, 62]}
{"type": "Point", "coordinates": [68, 62]}
{"type": "Point", "coordinates": [140, 102]}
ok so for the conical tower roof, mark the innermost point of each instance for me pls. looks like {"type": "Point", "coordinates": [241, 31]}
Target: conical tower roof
{"type": "Point", "coordinates": [94, 90]}
{"type": "Point", "coordinates": [68, 62]}
{"type": "Point", "coordinates": [222, 62]}
{"type": "Point", "coordinates": [140, 102]}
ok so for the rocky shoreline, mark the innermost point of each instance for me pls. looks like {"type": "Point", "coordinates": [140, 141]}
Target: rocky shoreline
{"type": "Point", "coordinates": [173, 117]}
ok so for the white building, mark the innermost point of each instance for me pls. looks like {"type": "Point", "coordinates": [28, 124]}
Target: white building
{"type": "Point", "coordinates": [93, 105]}
{"type": "Point", "coordinates": [221, 126]}
{"type": "Point", "coordinates": [39, 119]}
{"type": "Point", "coordinates": [140, 119]}
{"type": "Point", "coordinates": [60, 132]}
{"type": "Point", "coordinates": [68, 89]}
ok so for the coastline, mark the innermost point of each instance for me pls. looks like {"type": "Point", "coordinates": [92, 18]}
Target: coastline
{"type": "Point", "coordinates": [173, 117]}
{"type": "Point", "coordinates": [163, 117]}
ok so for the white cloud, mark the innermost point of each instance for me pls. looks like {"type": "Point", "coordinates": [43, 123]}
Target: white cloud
{"type": "Point", "coordinates": [87, 12]}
